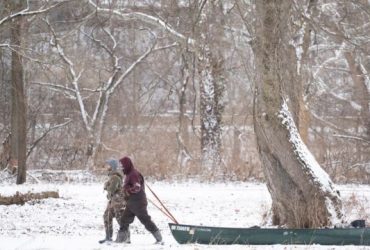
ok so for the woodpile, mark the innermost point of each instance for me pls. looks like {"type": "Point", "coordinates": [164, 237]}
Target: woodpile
{"type": "Point", "coordinates": [21, 199]}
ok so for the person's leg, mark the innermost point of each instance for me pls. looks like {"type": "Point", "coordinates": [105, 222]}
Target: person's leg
{"type": "Point", "coordinates": [108, 220]}
{"type": "Point", "coordinates": [118, 213]}
{"type": "Point", "coordinates": [146, 220]}
{"type": "Point", "coordinates": [125, 219]}
{"type": "Point", "coordinates": [142, 214]}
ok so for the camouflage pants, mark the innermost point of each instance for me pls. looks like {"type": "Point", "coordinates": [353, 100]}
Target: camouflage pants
{"type": "Point", "coordinates": [115, 208]}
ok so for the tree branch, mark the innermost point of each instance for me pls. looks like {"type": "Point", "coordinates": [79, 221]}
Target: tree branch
{"type": "Point", "coordinates": [139, 60]}
{"type": "Point", "coordinates": [26, 12]}
{"type": "Point", "coordinates": [34, 144]}
{"type": "Point", "coordinates": [145, 18]}
{"type": "Point", "coordinates": [75, 77]}
{"type": "Point", "coordinates": [71, 93]}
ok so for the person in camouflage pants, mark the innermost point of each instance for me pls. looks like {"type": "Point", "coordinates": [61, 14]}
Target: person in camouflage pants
{"type": "Point", "coordinates": [116, 199]}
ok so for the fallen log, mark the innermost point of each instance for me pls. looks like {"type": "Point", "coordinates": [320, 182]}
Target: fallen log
{"type": "Point", "coordinates": [20, 199]}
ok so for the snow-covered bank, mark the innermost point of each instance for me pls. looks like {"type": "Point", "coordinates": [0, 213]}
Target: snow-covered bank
{"type": "Point", "coordinates": [75, 221]}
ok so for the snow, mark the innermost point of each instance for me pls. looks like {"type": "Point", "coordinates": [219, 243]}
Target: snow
{"type": "Point", "coordinates": [302, 151]}
{"type": "Point", "coordinates": [75, 220]}
{"type": "Point", "coordinates": [298, 46]}
{"type": "Point", "coordinates": [145, 18]}
{"type": "Point", "coordinates": [308, 160]}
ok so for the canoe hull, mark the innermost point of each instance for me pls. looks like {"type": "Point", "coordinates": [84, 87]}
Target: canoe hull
{"type": "Point", "coordinates": [267, 236]}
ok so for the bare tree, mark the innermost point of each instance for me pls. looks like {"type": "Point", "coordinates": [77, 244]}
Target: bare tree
{"type": "Point", "coordinates": [340, 84]}
{"type": "Point", "coordinates": [13, 19]}
{"type": "Point", "coordinates": [81, 89]}
{"type": "Point", "coordinates": [206, 24]}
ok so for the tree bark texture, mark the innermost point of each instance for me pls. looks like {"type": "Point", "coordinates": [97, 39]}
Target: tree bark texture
{"type": "Point", "coordinates": [18, 111]}
{"type": "Point", "coordinates": [302, 193]}
{"type": "Point", "coordinates": [182, 134]}
{"type": "Point", "coordinates": [5, 151]}
{"type": "Point", "coordinates": [361, 91]}
{"type": "Point", "coordinates": [304, 35]}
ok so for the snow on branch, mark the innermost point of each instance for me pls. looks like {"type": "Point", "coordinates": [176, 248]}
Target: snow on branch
{"type": "Point", "coordinates": [345, 135]}
{"type": "Point", "coordinates": [69, 92]}
{"type": "Point", "coordinates": [27, 12]}
{"type": "Point", "coordinates": [34, 144]}
{"type": "Point", "coordinates": [75, 77]}
{"type": "Point", "coordinates": [366, 75]}
{"type": "Point", "coordinates": [139, 60]}
{"type": "Point", "coordinates": [101, 44]}
{"type": "Point", "coordinates": [350, 137]}
{"type": "Point", "coordinates": [144, 18]}
{"type": "Point", "coordinates": [18, 50]}
{"type": "Point", "coordinates": [4, 45]}
{"type": "Point", "coordinates": [338, 53]}
{"type": "Point", "coordinates": [111, 51]}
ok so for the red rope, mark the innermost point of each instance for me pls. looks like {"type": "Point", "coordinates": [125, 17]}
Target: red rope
{"type": "Point", "coordinates": [160, 209]}
{"type": "Point", "coordinates": [168, 213]}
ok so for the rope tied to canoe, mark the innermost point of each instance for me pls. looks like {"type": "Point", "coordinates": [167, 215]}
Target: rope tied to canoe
{"type": "Point", "coordinates": [162, 207]}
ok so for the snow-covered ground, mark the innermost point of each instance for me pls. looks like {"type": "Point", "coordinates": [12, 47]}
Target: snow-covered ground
{"type": "Point", "coordinates": [75, 220]}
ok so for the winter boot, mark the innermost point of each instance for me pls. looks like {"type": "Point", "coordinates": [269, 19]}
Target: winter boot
{"type": "Point", "coordinates": [158, 237]}
{"type": "Point", "coordinates": [123, 236]}
{"type": "Point", "coordinates": [108, 237]}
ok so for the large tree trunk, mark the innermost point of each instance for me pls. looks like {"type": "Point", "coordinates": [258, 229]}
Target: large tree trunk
{"type": "Point", "coordinates": [18, 113]}
{"type": "Point", "coordinates": [302, 193]}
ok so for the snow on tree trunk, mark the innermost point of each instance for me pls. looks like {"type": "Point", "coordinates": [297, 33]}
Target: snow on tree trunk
{"type": "Point", "coordinates": [210, 111]}
{"type": "Point", "coordinates": [302, 193]}
{"type": "Point", "coordinates": [211, 73]}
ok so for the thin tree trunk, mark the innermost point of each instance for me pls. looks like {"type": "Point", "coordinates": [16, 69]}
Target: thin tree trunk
{"type": "Point", "coordinates": [302, 193]}
{"type": "Point", "coordinates": [5, 151]}
{"type": "Point", "coordinates": [302, 43]}
{"type": "Point", "coordinates": [182, 135]}
{"type": "Point", "coordinates": [361, 91]}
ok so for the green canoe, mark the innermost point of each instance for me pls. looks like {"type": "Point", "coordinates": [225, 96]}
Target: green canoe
{"type": "Point", "coordinates": [266, 236]}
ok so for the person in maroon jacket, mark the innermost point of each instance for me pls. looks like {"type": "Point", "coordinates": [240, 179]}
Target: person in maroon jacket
{"type": "Point", "coordinates": [137, 203]}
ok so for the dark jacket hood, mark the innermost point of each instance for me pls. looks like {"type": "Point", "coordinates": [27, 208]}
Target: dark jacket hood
{"type": "Point", "coordinates": [127, 165]}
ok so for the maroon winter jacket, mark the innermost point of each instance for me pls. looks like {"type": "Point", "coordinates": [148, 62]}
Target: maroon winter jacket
{"type": "Point", "coordinates": [134, 181]}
